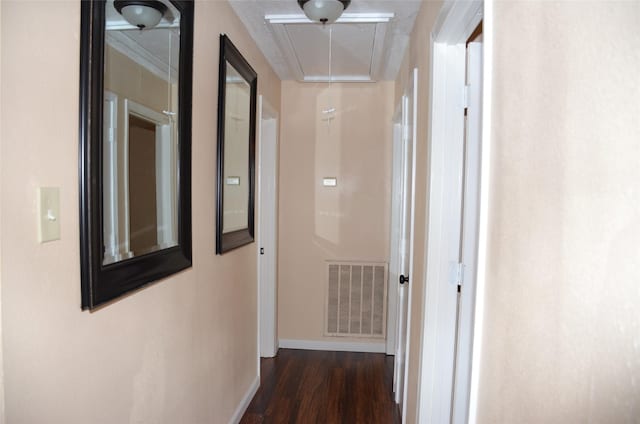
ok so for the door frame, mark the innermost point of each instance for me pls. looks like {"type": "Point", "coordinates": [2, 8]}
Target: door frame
{"type": "Point", "coordinates": [266, 297]}
{"type": "Point", "coordinates": [453, 26]}
{"type": "Point", "coordinates": [483, 207]}
{"type": "Point", "coordinates": [119, 242]}
{"type": "Point", "coordinates": [469, 236]}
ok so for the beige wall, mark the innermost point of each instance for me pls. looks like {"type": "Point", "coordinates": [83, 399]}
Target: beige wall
{"type": "Point", "coordinates": [180, 351]}
{"type": "Point", "coordinates": [418, 56]}
{"type": "Point", "coordinates": [562, 327]}
{"type": "Point", "coordinates": [347, 222]}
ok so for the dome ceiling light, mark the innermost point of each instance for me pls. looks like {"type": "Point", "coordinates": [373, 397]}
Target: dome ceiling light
{"type": "Point", "coordinates": [144, 14]}
{"type": "Point", "coordinates": [323, 11]}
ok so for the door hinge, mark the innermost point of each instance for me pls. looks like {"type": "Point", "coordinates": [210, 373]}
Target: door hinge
{"type": "Point", "coordinates": [465, 97]}
{"type": "Point", "coordinates": [456, 273]}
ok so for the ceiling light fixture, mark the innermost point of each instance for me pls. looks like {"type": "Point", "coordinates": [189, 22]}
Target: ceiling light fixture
{"type": "Point", "coordinates": [143, 14]}
{"type": "Point", "coordinates": [323, 11]}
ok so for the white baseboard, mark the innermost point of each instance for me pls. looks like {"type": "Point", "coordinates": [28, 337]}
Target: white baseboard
{"type": "Point", "coordinates": [246, 400]}
{"type": "Point", "coordinates": [371, 347]}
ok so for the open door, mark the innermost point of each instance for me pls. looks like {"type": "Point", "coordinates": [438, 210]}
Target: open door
{"type": "Point", "coordinates": [402, 250]}
{"type": "Point", "coordinates": [267, 229]}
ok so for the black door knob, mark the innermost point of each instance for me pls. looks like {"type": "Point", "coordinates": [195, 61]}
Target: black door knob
{"type": "Point", "coordinates": [404, 279]}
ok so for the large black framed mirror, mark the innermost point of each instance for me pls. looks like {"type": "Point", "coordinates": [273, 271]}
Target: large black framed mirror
{"type": "Point", "coordinates": [237, 88]}
{"type": "Point", "coordinates": [135, 144]}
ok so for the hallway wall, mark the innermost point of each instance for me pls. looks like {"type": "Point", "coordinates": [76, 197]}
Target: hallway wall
{"type": "Point", "coordinates": [347, 222]}
{"type": "Point", "coordinates": [180, 351]}
{"type": "Point", "coordinates": [561, 338]}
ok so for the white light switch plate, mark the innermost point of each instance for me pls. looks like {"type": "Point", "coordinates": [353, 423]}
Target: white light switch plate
{"type": "Point", "coordinates": [48, 214]}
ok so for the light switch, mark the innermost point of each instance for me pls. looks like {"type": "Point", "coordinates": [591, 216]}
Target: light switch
{"type": "Point", "coordinates": [48, 214]}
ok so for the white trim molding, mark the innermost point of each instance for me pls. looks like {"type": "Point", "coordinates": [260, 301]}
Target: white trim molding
{"type": "Point", "coordinates": [328, 345]}
{"type": "Point", "coordinates": [246, 400]}
{"type": "Point", "coordinates": [483, 215]}
{"type": "Point", "coordinates": [440, 311]}
{"type": "Point", "coordinates": [345, 18]}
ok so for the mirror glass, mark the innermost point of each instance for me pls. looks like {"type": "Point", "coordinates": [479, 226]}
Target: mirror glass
{"type": "Point", "coordinates": [135, 144]}
{"type": "Point", "coordinates": [140, 136]}
{"type": "Point", "coordinates": [237, 88]}
{"type": "Point", "coordinates": [236, 151]}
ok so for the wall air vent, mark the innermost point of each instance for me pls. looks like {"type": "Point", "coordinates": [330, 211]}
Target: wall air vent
{"type": "Point", "coordinates": [356, 301]}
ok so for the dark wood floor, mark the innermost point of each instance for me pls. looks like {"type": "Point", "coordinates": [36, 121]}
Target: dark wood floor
{"type": "Point", "coordinates": [304, 386]}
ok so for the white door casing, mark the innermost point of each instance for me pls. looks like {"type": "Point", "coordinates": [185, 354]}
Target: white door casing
{"type": "Point", "coordinates": [453, 26]}
{"type": "Point", "coordinates": [110, 176]}
{"type": "Point", "coordinates": [117, 234]}
{"type": "Point", "coordinates": [466, 308]}
{"type": "Point", "coordinates": [483, 207]}
{"type": "Point", "coordinates": [267, 229]}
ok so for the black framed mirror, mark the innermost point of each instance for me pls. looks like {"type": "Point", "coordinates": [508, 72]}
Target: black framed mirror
{"type": "Point", "coordinates": [237, 88]}
{"type": "Point", "coordinates": [135, 144]}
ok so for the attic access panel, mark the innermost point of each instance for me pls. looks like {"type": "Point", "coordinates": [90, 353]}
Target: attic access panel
{"type": "Point", "coordinates": [351, 50]}
{"type": "Point", "coordinates": [357, 47]}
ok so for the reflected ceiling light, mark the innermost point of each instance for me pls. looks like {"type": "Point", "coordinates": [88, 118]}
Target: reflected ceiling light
{"type": "Point", "coordinates": [144, 14]}
{"type": "Point", "coordinates": [324, 11]}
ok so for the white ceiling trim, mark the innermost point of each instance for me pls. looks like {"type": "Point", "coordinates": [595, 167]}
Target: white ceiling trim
{"type": "Point", "coordinates": [341, 78]}
{"type": "Point", "coordinates": [346, 18]}
{"type": "Point", "coordinates": [120, 25]}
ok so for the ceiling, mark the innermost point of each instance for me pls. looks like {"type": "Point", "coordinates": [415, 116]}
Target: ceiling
{"type": "Point", "coordinates": [367, 43]}
{"type": "Point", "coordinates": [156, 49]}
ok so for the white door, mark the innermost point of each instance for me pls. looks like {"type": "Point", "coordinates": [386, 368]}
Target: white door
{"type": "Point", "coordinates": [404, 250]}
{"type": "Point", "coordinates": [267, 230]}
{"type": "Point", "coordinates": [397, 202]}
{"type": "Point", "coordinates": [401, 252]}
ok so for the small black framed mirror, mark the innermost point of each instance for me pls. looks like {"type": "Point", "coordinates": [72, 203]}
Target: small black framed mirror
{"type": "Point", "coordinates": [135, 144]}
{"type": "Point", "coordinates": [237, 90]}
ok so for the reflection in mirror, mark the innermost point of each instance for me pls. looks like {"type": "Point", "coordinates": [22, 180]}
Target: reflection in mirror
{"type": "Point", "coordinates": [236, 152]}
{"type": "Point", "coordinates": [140, 135]}
{"type": "Point", "coordinates": [135, 144]}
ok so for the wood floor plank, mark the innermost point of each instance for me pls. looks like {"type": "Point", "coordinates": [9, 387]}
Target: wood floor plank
{"type": "Point", "coordinates": [300, 386]}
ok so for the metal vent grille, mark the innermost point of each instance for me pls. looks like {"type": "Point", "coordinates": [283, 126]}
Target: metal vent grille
{"type": "Point", "coordinates": [356, 303]}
